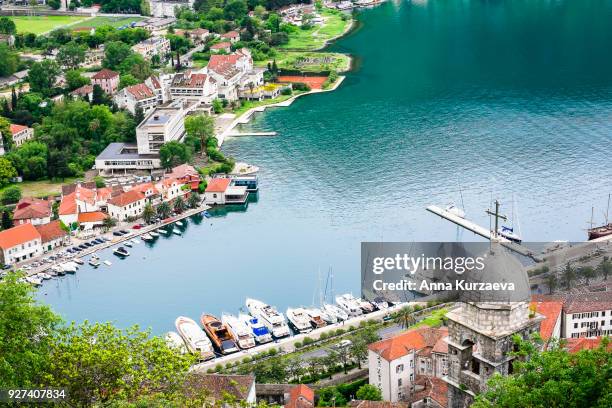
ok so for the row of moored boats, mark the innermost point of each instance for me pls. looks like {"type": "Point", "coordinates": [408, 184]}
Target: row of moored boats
{"type": "Point", "coordinates": [214, 337]}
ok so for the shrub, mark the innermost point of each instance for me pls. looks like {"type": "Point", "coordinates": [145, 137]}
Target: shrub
{"type": "Point", "coordinates": [307, 340]}
{"type": "Point", "coordinates": [300, 86]}
{"type": "Point", "coordinates": [286, 91]}
{"type": "Point", "coordinates": [11, 195]}
{"type": "Point", "coordinates": [297, 344]}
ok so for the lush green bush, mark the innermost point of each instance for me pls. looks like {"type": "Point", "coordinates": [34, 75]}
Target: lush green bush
{"type": "Point", "coordinates": [300, 86]}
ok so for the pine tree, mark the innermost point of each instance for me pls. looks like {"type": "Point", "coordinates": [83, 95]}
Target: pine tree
{"type": "Point", "coordinates": [6, 109]}
{"type": "Point", "coordinates": [13, 98]}
{"type": "Point", "coordinates": [7, 222]}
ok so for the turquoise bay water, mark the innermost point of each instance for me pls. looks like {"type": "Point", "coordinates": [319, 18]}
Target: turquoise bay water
{"type": "Point", "coordinates": [498, 99]}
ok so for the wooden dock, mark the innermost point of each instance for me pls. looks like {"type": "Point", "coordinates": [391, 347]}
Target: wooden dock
{"type": "Point", "coordinates": [483, 232]}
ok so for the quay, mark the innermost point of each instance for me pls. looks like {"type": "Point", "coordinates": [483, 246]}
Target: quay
{"type": "Point", "coordinates": [483, 232]}
{"type": "Point", "coordinates": [238, 134]}
{"type": "Point", "coordinates": [114, 240]}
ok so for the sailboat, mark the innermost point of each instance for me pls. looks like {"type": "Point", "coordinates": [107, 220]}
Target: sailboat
{"type": "Point", "coordinates": [509, 232]}
{"type": "Point", "coordinates": [603, 230]}
{"type": "Point", "coordinates": [456, 210]}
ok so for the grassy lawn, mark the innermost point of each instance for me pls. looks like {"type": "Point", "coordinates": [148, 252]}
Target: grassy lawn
{"type": "Point", "coordinates": [434, 320]}
{"type": "Point", "coordinates": [310, 61]}
{"type": "Point", "coordinates": [43, 188]}
{"type": "Point", "coordinates": [42, 24]}
{"type": "Point", "coordinates": [111, 21]}
{"type": "Point", "coordinates": [315, 37]}
{"type": "Point", "coordinates": [246, 105]}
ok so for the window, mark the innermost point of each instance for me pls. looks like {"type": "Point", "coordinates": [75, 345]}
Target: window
{"type": "Point", "coordinates": [399, 382]}
{"type": "Point", "coordinates": [399, 368]}
{"type": "Point", "coordinates": [575, 325]}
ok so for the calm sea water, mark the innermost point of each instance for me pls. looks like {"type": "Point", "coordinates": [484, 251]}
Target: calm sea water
{"type": "Point", "coordinates": [494, 99]}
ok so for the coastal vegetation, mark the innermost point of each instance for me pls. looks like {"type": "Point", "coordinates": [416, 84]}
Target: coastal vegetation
{"type": "Point", "coordinates": [316, 37]}
{"type": "Point", "coordinates": [553, 377]}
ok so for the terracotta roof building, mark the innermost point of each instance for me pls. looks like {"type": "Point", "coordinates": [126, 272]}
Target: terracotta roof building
{"type": "Point", "coordinates": [222, 46]}
{"type": "Point", "coordinates": [107, 80]}
{"type": "Point", "coordinates": [575, 345]}
{"type": "Point", "coordinates": [52, 235]}
{"type": "Point", "coordinates": [137, 96]}
{"type": "Point", "coordinates": [21, 134]}
{"type": "Point", "coordinates": [551, 325]}
{"type": "Point", "coordinates": [19, 243]}
{"type": "Point", "coordinates": [127, 205]}
{"type": "Point", "coordinates": [300, 396]}
{"type": "Point", "coordinates": [395, 362]}
{"type": "Point", "coordinates": [32, 210]}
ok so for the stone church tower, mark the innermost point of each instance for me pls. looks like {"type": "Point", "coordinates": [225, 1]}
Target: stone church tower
{"type": "Point", "coordinates": [481, 330]}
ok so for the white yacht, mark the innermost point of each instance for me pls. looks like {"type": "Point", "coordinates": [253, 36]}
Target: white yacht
{"type": "Point", "coordinates": [44, 276]}
{"type": "Point", "coordinates": [299, 320]}
{"type": "Point", "coordinates": [196, 340]}
{"type": "Point", "coordinates": [366, 307]}
{"type": "Point", "coordinates": [154, 234]}
{"type": "Point", "coordinates": [334, 310]}
{"type": "Point", "coordinates": [349, 304]}
{"type": "Point", "coordinates": [316, 319]}
{"type": "Point", "coordinates": [274, 321]}
{"type": "Point", "coordinates": [260, 331]}
{"type": "Point", "coordinates": [240, 330]}
{"type": "Point", "coordinates": [175, 341]}
{"type": "Point", "coordinates": [33, 280]}
{"type": "Point", "coordinates": [329, 318]}
{"type": "Point", "coordinates": [69, 267]}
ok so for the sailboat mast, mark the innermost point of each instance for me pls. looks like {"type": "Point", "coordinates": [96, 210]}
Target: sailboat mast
{"type": "Point", "coordinates": [608, 209]}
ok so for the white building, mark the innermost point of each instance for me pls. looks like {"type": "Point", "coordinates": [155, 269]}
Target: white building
{"type": "Point", "coordinates": [221, 191]}
{"type": "Point", "coordinates": [165, 8]}
{"type": "Point", "coordinates": [21, 134]}
{"type": "Point", "coordinates": [127, 205]}
{"type": "Point", "coordinates": [153, 46]}
{"type": "Point", "coordinates": [395, 363]}
{"type": "Point", "coordinates": [201, 87]}
{"type": "Point", "coordinates": [587, 315]}
{"type": "Point", "coordinates": [162, 125]}
{"type": "Point", "coordinates": [137, 96]}
{"type": "Point", "coordinates": [232, 72]}
{"type": "Point", "coordinates": [123, 158]}
{"type": "Point", "coordinates": [19, 243]}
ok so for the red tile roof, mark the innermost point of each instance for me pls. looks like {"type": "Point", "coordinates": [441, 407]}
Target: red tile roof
{"type": "Point", "coordinates": [126, 198]}
{"type": "Point", "coordinates": [189, 80]}
{"type": "Point", "coordinates": [51, 231]}
{"type": "Point", "coordinates": [217, 185]}
{"type": "Point", "coordinates": [17, 128]}
{"type": "Point", "coordinates": [422, 339]}
{"type": "Point", "coordinates": [105, 74]}
{"type": "Point", "coordinates": [18, 235]}
{"type": "Point", "coordinates": [300, 396]}
{"type": "Point", "coordinates": [140, 91]}
{"type": "Point", "coordinates": [94, 216]}
{"type": "Point", "coordinates": [575, 345]}
{"type": "Point", "coordinates": [221, 46]}
{"type": "Point", "coordinates": [231, 34]}
{"type": "Point", "coordinates": [377, 404]}
{"type": "Point", "coordinates": [68, 204]}
{"type": "Point", "coordinates": [82, 91]}
{"type": "Point", "coordinates": [28, 208]}
{"type": "Point", "coordinates": [435, 389]}
{"type": "Point", "coordinates": [552, 312]}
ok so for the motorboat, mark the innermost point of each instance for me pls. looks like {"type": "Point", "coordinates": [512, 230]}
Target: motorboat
{"type": "Point", "coordinates": [69, 267]}
{"type": "Point", "coordinates": [219, 334]}
{"type": "Point", "coordinates": [206, 214]}
{"type": "Point", "coordinates": [147, 237]}
{"type": "Point", "coordinates": [340, 314]}
{"type": "Point", "coordinates": [195, 339]}
{"type": "Point", "coordinates": [349, 304]}
{"type": "Point", "coordinates": [380, 303]}
{"type": "Point", "coordinates": [274, 321]}
{"type": "Point", "coordinates": [78, 261]}
{"type": "Point", "coordinates": [366, 307]}
{"type": "Point", "coordinates": [51, 273]}
{"type": "Point", "coordinates": [154, 234]}
{"type": "Point", "coordinates": [509, 234]}
{"type": "Point", "coordinates": [135, 241]}
{"type": "Point", "coordinates": [121, 251]}
{"type": "Point", "coordinates": [176, 231]}
{"type": "Point", "coordinates": [260, 331]}
{"type": "Point", "coordinates": [175, 341]}
{"type": "Point", "coordinates": [179, 223]}
{"type": "Point", "coordinates": [240, 330]}
{"type": "Point", "coordinates": [44, 276]}
{"type": "Point", "coordinates": [128, 244]}
{"type": "Point", "coordinates": [315, 318]}
{"type": "Point", "coordinates": [95, 262]}
{"type": "Point", "coordinates": [329, 318]}
{"type": "Point", "coordinates": [299, 320]}
{"type": "Point", "coordinates": [33, 280]}
{"type": "Point", "coordinates": [107, 263]}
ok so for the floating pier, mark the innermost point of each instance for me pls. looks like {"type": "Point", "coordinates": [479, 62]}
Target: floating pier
{"type": "Point", "coordinates": [483, 232]}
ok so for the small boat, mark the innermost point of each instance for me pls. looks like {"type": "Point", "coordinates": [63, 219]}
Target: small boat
{"type": "Point", "coordinates": [147, 237]}
{"type": "Point", "coordinates": [221, 337]}
{"type": "Point", "coordinates": [107, 263]}
{"type": "Point", "coordinates": [128, 244]}
{"type": "Point", "coordinates": [240, 330]}
{"type": "Point", "coordinates": [509, 234]}
{"type": "Point", "coordinates": [274, 321]}
{"type": "Point", "coordinates": [299, 320]}
{"type": "Point", "coordinates": [260, 331]}
{"type": "Point", "coordinates": [175, 341]}
{"type": "Point", "coordinates": [602, 230]}
{"type": "Point", "coordinates": [154, 234]}
{"type": "Point", "coordinates": [121, 251]}
{"type": "Point", "coordinates": [52, 272]}
{"type": "Point", "coordinates": [95, 256]}
{"type": "Point", "coordinates": [366, 307]}
{"type": "Point", "coordinates": [179, 223]}
{"type": "Point", "coordinates": [69, 267]}
{"type": "Point", "coordinates": [44, 276]}
{"type": "Point", "coordinates": [195, 339]}
{"type": "Point", "coordinates": [33, 280]}
{"type": "Point", "coordinates": [316, 320]}
{"type": "Point", "coordinates": [135, 241]}
{"type": "Point", "coordinates": [329, 318]}
{"type": "Point", "coordinates": [94, 262]}
{"type": "Point", "coordinates": [206, 214]}
{"type": "Point", "coordinates": [349, 304]}
{"type": "Point", "coordinates": [78, 261]}
{"type": "Point", "coordinates": [340, 314]}
{"type": "Point", "coordinates": [176, 231]}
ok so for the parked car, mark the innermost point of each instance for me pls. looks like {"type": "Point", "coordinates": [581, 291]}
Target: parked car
{"type": "Point", "coordinates": [117, 233]}
{"type": "Point", "coordinates": [137, 227]}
